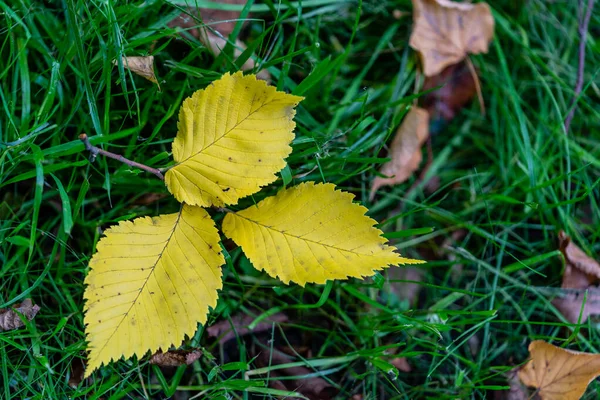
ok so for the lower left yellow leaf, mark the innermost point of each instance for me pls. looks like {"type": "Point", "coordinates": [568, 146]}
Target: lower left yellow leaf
{"type": "Point", "coordinates": [150, 284]}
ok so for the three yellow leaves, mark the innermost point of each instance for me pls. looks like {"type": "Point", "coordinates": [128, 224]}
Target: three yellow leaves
{"type": "Point", "coordinates": [153, 280]}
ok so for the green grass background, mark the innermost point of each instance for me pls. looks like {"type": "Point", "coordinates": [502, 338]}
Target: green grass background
{"type": "Point", "coordinates": [511, 178]}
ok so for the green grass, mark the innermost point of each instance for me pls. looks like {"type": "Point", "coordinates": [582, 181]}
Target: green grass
{"type": "Point", "coordinates": [510, 178]}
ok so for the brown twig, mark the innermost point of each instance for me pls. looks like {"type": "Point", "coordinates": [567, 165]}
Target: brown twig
{"type": "Point", "coordinates": [583, 28]}
{"type": "Point", "coordinates": [96, 150]}
{"type": "Point", "coordinates": [477, 85]}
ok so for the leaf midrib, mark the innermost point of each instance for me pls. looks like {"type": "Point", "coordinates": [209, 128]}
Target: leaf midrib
{"type": "Point", "coordinates": [307, 240]}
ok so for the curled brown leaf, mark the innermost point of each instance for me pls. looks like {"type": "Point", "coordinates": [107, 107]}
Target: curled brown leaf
{"type": "Point", "coordinates": [216, 26]}
{"type": "Point", "coordinates": [580, 269]}
{"type": "Point", "coordinates": [445, 32]}
{"type": "Point", "coordinates": [175, 358]}
{"type": "Point", "coordinates": [142, 66]}
{"type": "Point", "coordinates": [405, 151]}
{"type": "Point", "coordinates": [10, 319]}
{"type": "Point", "coordinates": [456, 91]}
{"type": "Point", "coordinates": [581, 272]}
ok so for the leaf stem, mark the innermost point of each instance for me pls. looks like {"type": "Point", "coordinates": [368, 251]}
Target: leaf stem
{"type": "Point", "coordinates": [96, 150]}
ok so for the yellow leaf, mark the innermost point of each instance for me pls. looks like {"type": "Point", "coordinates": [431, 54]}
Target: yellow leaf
{"type": "Point", "coordinates": [233, 138]}
{"type": "Point", "coordinates": [311, 233]}
{"type": "Point", "coordinates": [446, 31]}
{"type": "Point", "coordinates": [559, 374]}
{"type": "Point", "coordinates": [150, 284]}
{"type": "Point", "coordinates": [143, 66]}
{"type": "Point", "coordinates": [406, 150]}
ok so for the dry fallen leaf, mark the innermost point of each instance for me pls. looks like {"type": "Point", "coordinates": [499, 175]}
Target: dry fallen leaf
{"type": "Point", "coordinates": [143, 66]}
{"type": "Point", "coordinates": [445, 32]}
{"type": "Point", "coordinates": [456, 91]}
{"type": "Point", "coordinates": [218, 25]}
{"type": "Point", "coordinates": [559, 374]}
{"type": "Point", "coordinates": [405, 151]}
{"type": "Point", "coordinates": [401, 363]}
{"type": "Point", "coordinates": [569, 304]}
{"type": "Point", "coordinates": [9, 318]}
{"type": "Point", "coordinates": [581, 272]}
{"type": "Point", "coordinates": [175, 358]}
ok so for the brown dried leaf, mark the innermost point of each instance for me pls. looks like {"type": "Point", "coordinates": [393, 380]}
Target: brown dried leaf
{"type": "Point", "coordinates": [224, 330]}
{"type": "Point", "coordinates": [581, 272]}
{"type": "Point", "coordinates": [401, 363]}
{"type": "Point", "coordinates": [175, 358]}
{"type": "Point", "coordinates": [456, 91]}
{"type": "Point", "coordinates": [217, 43]}
{"type": "Point", "coordinates": [559, 374]}
{"type": "Point", "coordinates": [218, 25]}
{"type": "Point", "coordinates": [406, 150]}
{"type": "Point", "coordinates": [445, 32]}
{"type": "Point", "coordinates": [569, 304]}
{"type": "Point", "coordinates": [222, 20]}
{"type": "Point", "coordinates": [143, 66]}
{"type": "Point", "coordinates": [580, 269]}
{"type": "Point", "coordinates": [9, 319]}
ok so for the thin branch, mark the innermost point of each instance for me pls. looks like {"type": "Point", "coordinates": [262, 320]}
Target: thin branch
{"type": "Point", "coordinates": [477, 85]}
{"type": "Point", "coordinates": [583, 29]}
{"type": "Point", "coordinates": [96, 150]}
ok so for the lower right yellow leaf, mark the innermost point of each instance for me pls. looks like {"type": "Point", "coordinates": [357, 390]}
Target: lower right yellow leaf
{"type": "Point", "coordinates": [559, 374]}
{"type": "Point", "coordinates": [311, 233]}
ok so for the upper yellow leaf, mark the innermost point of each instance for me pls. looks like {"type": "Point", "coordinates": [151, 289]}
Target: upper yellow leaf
{"type": "Point", "coordinates": [233, 138]}
{"type": "Point", "coordinates": [311, 233]}
{"type": "Point", "coordinates": [446, 31]}
{"type": "Point", "coordinates": [559, 374]}
{"type": "Point", "coordinates": [150, 284]}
